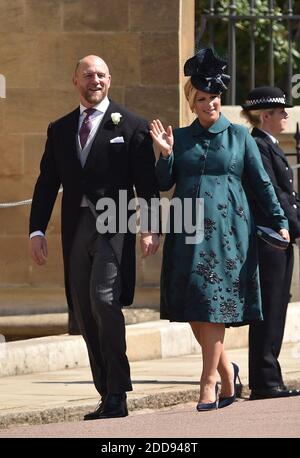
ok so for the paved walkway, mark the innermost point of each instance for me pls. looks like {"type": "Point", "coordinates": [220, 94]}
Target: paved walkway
{"type": "Point", "coordinates": [271, 418]}
{"type": "Point", "coordinates": [65, 395]}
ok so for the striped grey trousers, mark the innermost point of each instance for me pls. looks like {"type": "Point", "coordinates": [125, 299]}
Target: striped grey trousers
{"type": "Point", "coordinates": [95, 284]}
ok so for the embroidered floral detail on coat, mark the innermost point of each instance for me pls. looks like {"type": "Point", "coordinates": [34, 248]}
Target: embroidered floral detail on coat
{"type": "Point", "coordinates": [240, 211]}
{"type": "Point", "coordinates": [206, 267]}
{"type": "Point", "coordinates": [209, 227]}
{"type": "Point", "coordinates": [229, 311]}
{"type": "Point", "coordinates": [208, 273]}
{"type": "Point", "coordinates": [236, 286]}
{"type": "Point", "coordinates": [223, 208]}
{"type": "Point", "coordinates": [230, 264]}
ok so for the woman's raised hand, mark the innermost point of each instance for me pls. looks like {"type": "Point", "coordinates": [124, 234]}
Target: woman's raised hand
{"type": "Point", "coordinates": [163, 140]}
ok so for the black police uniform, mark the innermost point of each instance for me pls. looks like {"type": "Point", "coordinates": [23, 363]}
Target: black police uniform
{"type": "Point", "coordinates": [276, 269]}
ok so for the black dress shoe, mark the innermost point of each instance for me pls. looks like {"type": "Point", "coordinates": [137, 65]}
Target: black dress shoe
{"type": "Point", "coordinates": [272, 393]}
{"type": "Point", "coordinates": [114, 406]}
{"type": "Point", "coordinates": [95, 415]}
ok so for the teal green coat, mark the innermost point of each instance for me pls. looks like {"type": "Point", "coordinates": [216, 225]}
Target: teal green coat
{"type": "Point", "coordinates": [214, 280]}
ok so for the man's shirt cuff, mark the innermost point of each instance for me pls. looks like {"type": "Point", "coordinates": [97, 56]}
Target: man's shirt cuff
{"type": "Point", "coordinates": [33, 234]}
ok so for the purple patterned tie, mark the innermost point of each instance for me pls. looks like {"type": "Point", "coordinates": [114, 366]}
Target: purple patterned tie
{"type": "Point", "coordinates": [86, 126]}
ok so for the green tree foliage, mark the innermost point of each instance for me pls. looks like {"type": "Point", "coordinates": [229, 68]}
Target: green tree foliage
{"type": "Point", "coordinates": [262, 40]}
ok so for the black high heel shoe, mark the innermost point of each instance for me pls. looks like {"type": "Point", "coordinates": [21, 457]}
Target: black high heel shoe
{"type": "Point", "coordinates": [202, 406]}
{"type": "Point", "coordinates": [224, 402]}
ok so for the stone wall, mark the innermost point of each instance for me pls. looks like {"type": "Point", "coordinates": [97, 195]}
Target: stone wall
{"type": "Point", "coordinates": [144, 43]}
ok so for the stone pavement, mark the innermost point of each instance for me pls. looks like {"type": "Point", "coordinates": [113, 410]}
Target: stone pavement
{"type": "Point", "coordinates": [269, 418]}
{"type": "Point", "coordinates": [65, 395]}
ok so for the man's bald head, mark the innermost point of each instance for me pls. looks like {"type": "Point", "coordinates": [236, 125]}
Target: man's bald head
{"type": "Point", "coordinates": [90, 60]}
{"type": "Point", "coordinates": [92, 80]}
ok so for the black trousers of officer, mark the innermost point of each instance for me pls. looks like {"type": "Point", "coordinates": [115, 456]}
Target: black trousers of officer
{"type": "Point", "coordinates": [95, 283]}
{"type": "Point", "coordinates": [265, 337]}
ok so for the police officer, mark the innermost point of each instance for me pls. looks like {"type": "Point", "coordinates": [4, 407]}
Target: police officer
{"type": "Point", "coordinates": [265, 110]}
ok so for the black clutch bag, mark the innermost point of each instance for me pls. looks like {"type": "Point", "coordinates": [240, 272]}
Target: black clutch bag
{"type": "Point", "coordinates": [272, 237]}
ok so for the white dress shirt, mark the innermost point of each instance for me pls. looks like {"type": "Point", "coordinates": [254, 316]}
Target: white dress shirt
{"type": "Point", "coordinates": [274, 140]}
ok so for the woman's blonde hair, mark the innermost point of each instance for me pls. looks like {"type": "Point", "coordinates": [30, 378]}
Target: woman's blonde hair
{"type": "Point", "coordinates": [190, 93]}
{"type": "Point", "coordinates": [254, 116]}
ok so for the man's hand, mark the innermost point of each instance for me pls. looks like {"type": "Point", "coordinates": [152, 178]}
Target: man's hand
{"type": "Point", "coordinates": [149, 244]}
{"type": "Point", "coordinates": [38, 249]}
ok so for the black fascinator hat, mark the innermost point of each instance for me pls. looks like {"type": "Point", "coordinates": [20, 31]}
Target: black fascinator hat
{"type": "Point", "coordinates": [207, 71]}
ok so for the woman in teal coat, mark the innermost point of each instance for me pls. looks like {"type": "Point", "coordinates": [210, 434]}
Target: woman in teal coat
{"type": "Point", "coordinates": [212, 282]}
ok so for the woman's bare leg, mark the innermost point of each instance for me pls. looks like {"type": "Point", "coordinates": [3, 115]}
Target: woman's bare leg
{"type": "Point", "coordinates": [211, 338]}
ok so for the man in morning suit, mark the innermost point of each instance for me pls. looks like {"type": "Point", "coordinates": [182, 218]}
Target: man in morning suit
{"type": "Point", "coordinates": [96, 151]}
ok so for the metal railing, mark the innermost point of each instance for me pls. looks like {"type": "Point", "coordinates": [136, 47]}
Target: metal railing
{"type": "Point", "coordinates": [297, 155]}
{"type": "Point", "coordinates": [210, 19]}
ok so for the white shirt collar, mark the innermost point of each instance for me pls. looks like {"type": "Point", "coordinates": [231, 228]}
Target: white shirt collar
{"type": "Point", "coordinates": [102, 106]}
{"type": "Point", "coordinates": [274, 140]}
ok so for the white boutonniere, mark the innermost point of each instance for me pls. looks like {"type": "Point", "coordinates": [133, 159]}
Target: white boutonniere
{"type": "Point", "coordinates": [116, 118]}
